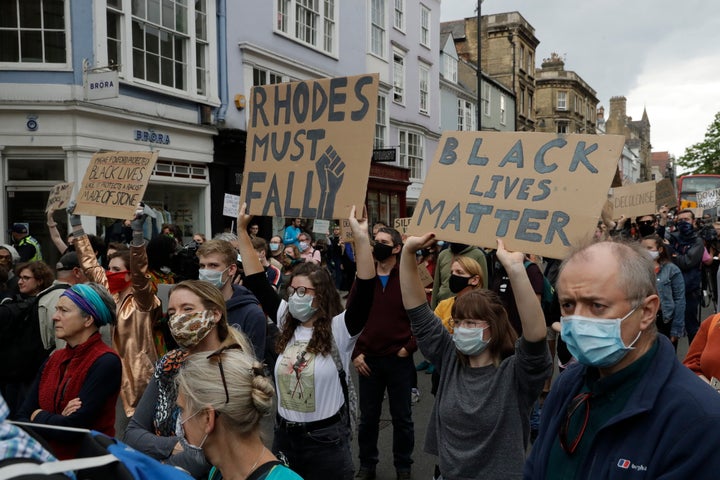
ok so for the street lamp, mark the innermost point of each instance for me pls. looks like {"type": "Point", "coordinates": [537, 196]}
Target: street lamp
{"type": "Point", "coordinates": [479, 67]}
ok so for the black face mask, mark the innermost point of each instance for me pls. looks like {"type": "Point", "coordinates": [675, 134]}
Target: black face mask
{"type": "Point", "coordinates": [457, 247]}
{"type": "Point", "coordinates": [458, 283]}
{"type": "Point", "coordinates": [646, 229]}
{"type": "Point", "coordinates": [382, 252]}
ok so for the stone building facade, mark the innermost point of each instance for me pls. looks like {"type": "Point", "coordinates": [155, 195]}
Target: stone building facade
{"type": "Point", "coordinates": [565, 103]}
{"type": "Point", "coordinates": [636, 133]}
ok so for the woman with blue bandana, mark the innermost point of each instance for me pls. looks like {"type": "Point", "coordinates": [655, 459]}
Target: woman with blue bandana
{"type": "Point", "coordinates": [78, 385]}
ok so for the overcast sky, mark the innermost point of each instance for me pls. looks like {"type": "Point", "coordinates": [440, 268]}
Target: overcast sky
{"type": "Point", "coordinates": [662, 55]}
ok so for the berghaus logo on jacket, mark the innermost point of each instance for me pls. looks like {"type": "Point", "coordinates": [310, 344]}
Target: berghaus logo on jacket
{"type": "Point", "coordinates": [626, 464]}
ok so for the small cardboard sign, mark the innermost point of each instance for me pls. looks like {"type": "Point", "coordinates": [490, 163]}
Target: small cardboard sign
{"type": "Point", "coordinates": [231, 205]}
{"type": "Point", "coordinates": [114, 184]}
{"type": "Point", "coordinates": [345, 230]}
{"type": "Point", "coordinates": [540, 192]}
{"type": "Point", "coordinates": [309, 147]}
{"type": "Point", "coordinates": [321, 227]}
{"type": "Point", "coordinates": [665, 193]}
{"type": "Point", "coordinates": [634, 200]}
{"type": "Point", "coordinates": [425, 278]}
{"type": "Point", "coordinates": [401, 224]}
{"type": "Point", "coordinates": [60, 196]}
{"type": "Point", "coordinates": [708, 198]}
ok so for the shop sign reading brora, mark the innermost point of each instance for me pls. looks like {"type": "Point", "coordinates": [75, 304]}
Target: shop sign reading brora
{"type": "Point", "coordinates": [309, 147]}
{"type": "Point", "coordinates": [539, 192]}
{"type": "Point", "coordinates": [114, 184]}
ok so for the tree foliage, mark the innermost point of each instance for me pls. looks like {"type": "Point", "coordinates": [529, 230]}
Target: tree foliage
{"type": "Point", "coordinates": [704, 157]}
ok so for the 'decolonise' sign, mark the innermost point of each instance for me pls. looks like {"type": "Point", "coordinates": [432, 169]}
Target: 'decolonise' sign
{"type": "Point", "coordinates": [114, 184]}
{"type": "Point", "coordinates": [309, 147]}
{"type": "Point", "coordinates": [539, 192]}
{"type": "Point", "coordinates": [634, 200]}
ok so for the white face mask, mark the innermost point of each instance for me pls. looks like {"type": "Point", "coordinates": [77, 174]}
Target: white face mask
{"type": "Point", "coordinates": [301, 307]}
{"type": "Point", "coordinates": [213, 276]}
{"type": "Point", "coordinates": [654, 254]}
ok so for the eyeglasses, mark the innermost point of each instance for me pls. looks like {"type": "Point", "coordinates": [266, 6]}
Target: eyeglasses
{"type": "Point", "coordinates": [217, 354]}
{"type": "Point", "coordinates": [465, 323]}
{"type": "Point", "coordinates": [300, 290]}
{"type": "Point", "coordinates": [25, 278]}
{"type": "Point", "coordinates": [577, 401]}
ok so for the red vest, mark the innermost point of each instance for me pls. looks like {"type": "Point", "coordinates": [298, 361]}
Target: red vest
{"type": "Point", "coordinates": [63, 378]}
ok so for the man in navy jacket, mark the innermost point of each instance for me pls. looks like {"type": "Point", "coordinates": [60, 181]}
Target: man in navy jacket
{"type": "Point", "coordinates": [629, 409]}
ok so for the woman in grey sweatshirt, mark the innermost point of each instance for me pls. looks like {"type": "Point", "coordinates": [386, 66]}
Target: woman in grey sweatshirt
{"type": "Point", "coordinates": [489, 379]}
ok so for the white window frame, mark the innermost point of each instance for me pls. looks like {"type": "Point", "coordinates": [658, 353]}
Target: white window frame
{"type": "Point", "coordinates": [412, 160]}
{"type": "Point", "coordinates": [466, 115]}
{"type": "Point", "coordinates": [42, 65]}
{"type": "Point", "coordinates": [530, 104]}
{"type": "Point", "coordinates": [270, 77]}
{"type": "Point", "coordinates": [425, 23]}
{"type": "Point", "coordinates": [563, 126]}
{"type": "Point", "coordinates": [450, 68]}
{"type": "Point", "coordinates": [399, 15]}
{"type": "Point", "coordinates": [378, 28]}
{"type": "Point", "coordinates": [424, 87]}
{"type": "Point", "coordinates": [486, 98]}
{"type": "Point", "coordinates": [192, 42]}
{"type": "Point", "coordinates": [381, 123]}
{"type": "Point", "coordinates": [399, 76]}
{"type": "Point", "coordinates": [561, 100]}
{"type": "Point", "coordinates": [311, 23]}
{"type": "Point", "coordinates": [503, 110]}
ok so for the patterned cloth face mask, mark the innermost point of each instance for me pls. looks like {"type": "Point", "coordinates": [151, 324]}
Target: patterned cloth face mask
{"type": "Point", "coordinates": [189, 329]}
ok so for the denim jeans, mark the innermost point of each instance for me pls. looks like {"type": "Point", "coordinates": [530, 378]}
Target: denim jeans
{"type": "Point", "coordinates": [394, 374]}
{"type": "Point", "coordinates": [320, 454]}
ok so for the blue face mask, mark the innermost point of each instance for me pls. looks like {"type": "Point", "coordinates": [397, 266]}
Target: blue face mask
{"type": "Point", "coordinates": [301, 307]}
{"type": "Point", "coordinates": [469, 341]}
{"type": "Point", "coordinates": [685, 228]}
{"type": "Point", "coordinates": [596, 342]}
{"type": "Point", "coordinates": [213, 276]}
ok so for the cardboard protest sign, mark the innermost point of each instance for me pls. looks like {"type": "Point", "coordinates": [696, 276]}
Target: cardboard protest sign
{"type": "Point", "coordinates": [345, 230]}
{"type": "Point", "coordinates": [309, 147]}
{"type": "Point", "coordinates": [401, 224]}
{"type": "Point", "coordinates": [321, 226]}
{"type": "Point", "coordinates": [114, 184]}
{"type": "Point", "coordinates": [708, 198]}
{"type": "Point", "coordinates": [60, 196]}
{"type": "Point", "coordinates": [634, 200]}
{"type": "Point", "coordinates": [425, 278]}
{"type": "Point", "coordinates": [665, 193]}
{"type": "Point", "coordinates": [540, 192]}
{"type": "Point", "coordinates": [231, 205]}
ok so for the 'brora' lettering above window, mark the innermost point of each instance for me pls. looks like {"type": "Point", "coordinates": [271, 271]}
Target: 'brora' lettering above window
{"type": "Point", "coordinates": [150, 136]}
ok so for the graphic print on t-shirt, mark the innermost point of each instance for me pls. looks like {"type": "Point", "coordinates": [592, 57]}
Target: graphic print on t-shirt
{"type": "Point", "coordinates": [296, 378]}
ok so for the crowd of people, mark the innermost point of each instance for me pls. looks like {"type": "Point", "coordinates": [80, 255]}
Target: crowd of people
{"type": "Point", "coordinates": [250, 327]}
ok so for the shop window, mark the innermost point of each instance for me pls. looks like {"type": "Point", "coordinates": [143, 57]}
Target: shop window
{"type": "Point", "coordinates": [165, 168]}
{"type": "Point", "coordinates": [36, 169]}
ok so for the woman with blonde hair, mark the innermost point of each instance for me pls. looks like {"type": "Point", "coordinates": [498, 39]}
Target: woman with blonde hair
{"type": "Point", "coordinates": [198, 323]}
{"type": "Point", "coordinates": [465, 276]}
{"type": "Point", "coordinates": [222, 398]}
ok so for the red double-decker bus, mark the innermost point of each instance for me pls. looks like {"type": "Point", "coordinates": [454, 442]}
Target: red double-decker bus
{"type": "Point", "coordinates": [690, 185]}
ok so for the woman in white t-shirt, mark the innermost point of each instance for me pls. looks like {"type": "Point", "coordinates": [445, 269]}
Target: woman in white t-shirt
{"type": "Point", "coordinates": [312, 429]}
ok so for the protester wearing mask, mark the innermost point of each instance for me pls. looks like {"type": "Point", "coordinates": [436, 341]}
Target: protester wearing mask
{"type": "Point", "coordinates": [307, 251]}
{"type": "Point", "coordinates": [489, 378]}
{"type": "Point", "coordinates": [138, 308]}
{"type": "Point", "coordinates": [316, 338]}
{"type": "Point", "coordinates": [441, 285]}
{"type": "Point", "coordinates": [198, 323]}
{"type": "Point", "coordinates": [628, 407]}
{"type": "Point", "coordinates": [276, 251]}
{"type": "Point", "coordinates": [686, 250]}
{"type": "Point", "coordinates": [383, 358]}
{"type": "Point", "coordinates": [218, 267]}
{"type": "Point", "coordinates": [671, 289]}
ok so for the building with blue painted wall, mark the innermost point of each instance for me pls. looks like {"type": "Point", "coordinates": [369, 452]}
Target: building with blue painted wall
{"type": "Point", "coordinates": [82, 77]}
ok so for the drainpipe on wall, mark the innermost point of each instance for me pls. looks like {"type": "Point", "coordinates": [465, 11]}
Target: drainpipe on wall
{"type": "Point", "coordinates": [222, 60]}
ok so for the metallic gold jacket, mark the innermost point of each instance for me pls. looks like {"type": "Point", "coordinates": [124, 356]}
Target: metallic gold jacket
{"type": "Point", "coordinates": [137, 312]}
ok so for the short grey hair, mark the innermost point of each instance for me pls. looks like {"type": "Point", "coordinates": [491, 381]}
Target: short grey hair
{"type": "Point", "coordinates": [228, 237]}
{"type": "Point", "coordinates": [636, 272]}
